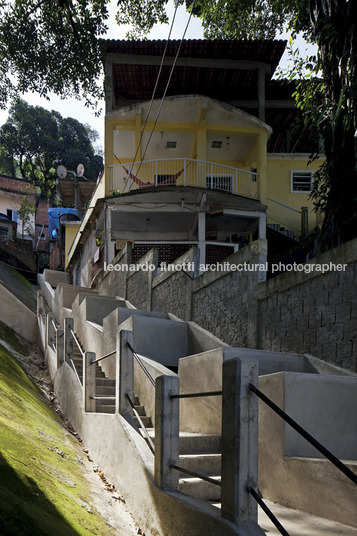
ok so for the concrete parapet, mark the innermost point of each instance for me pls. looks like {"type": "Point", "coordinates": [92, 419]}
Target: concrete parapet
{"type": "Point", "coordinates": [291, 471]}
{"type": "Point", "coordinates": [54, 277]}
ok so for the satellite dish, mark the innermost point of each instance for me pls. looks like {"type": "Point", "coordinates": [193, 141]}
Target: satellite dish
{"type": "Point", "coordinates": [80, 170]}
{"type": "Point", "coordinates": [61, 172]}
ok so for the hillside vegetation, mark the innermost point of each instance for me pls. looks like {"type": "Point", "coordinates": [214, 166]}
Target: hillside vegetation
{"type": "Point", "coordinates": [43, 490]}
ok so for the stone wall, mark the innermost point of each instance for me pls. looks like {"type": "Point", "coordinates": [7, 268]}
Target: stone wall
{"type": "Point", "coordinates": [139, 283]}
{"type": "Point", "coordinates": [313, 313]}
{"type": "Point", "coordinates": [225, 302]}
{"type": "Point", "coordinates": [113, 283]}
{"type": "Point", "coordinates": [172, 290]}
{"type": "Point", "coordinates": [299, 312]}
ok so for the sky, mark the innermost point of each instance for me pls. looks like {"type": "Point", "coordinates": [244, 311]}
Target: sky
{"type": "Point", "coordinates": [74, 108]}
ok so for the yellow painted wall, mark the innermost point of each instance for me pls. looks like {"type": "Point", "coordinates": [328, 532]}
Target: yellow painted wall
{"type": "Point", "coordinates": [274, 171]}
{"type": "Point", "coordinates": [71, 231]}
{"type": "Point", "coordinates": [279, 183]}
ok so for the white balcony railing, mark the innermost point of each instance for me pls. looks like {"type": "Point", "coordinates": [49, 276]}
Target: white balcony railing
{"type": "Point", "coordinates": [125, 177]}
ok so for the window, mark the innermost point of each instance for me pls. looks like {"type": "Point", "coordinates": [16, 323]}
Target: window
{"type": "Point", "coordinates": [216, 144]}
{"type": "Point", "coordinates": [301, 181]}
{"type": "Point", "coordinates": [12, 214]}
{"type": "Point", "coordinates": [171, 144]}
{"type": "Point", "coordinates": [219, 182]}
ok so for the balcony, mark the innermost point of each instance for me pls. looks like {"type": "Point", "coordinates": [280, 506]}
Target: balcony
{"type": "Point", "coordinates": [125, 177]}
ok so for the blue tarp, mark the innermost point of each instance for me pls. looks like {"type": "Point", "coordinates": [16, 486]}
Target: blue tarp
{"type": "Point", "coordinates": [53, 219]}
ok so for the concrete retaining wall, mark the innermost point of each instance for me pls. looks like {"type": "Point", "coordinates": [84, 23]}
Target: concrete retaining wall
{"type": "Point", "coordinates": [17, 315]}
{"type": "Point", "coordinates": [125, 459]}
{"type": "Point", "coordinates": [296, 481]}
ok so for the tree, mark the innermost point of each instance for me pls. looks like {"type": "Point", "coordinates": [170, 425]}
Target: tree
{"type": "Point", "coordinates": [51, 46]}
{"type": "Point", "coordinates": [26, 210]}
{"type": "Point", "coordinates": [54, 46]}
{"type": "Point", "coordinates": [34, 141]}
{"type": "Point", "coordinates": [330, 105]}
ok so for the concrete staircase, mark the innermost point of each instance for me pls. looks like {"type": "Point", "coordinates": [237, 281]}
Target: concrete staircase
{"type": "Point", "coordinates": [201, 454]}
{"type": "Point", "coordinates": [105, 388]}
{"type": "Point", "coordinates": [145, 419]}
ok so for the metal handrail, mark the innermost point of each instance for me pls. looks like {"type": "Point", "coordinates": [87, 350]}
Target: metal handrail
{"type": "Point", "coordinates": [77, 343]}
{"type": "Point", "coordinates": [283, 205]}
{"type": "Point", "coordinates": [196, 395]}
{"type": "Point", "coordinates": [103, 357]}
{"type": "Point", "coordinates": [148, 438]}
{"type": "Point", "coordinates": [54, 325]}
{"type": "Point", "coordinates": [145, 370]}
{"type": "Point", "coordinates": [75, 370]}
{"type": "Point", "coordinates": [268, 512]}
{"type": "Point", "coordinates": [333, 459]}
{"type": "Point", "coordinates": [193, 473]}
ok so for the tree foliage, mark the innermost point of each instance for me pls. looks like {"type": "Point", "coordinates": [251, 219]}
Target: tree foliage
{"type": "Point", "coordinates": [51, 46]}
{"type": "Point", "coordinates": [34, 141]}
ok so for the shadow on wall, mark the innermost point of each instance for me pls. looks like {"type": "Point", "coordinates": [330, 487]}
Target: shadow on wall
{"type": "Point", "coordinates": [25, 509]}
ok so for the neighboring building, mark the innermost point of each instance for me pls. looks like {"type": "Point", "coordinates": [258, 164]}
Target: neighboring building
{"type": "Point", "coordinates": [221, 157]}
{"type": "Point", "coordinates": [12, 194]}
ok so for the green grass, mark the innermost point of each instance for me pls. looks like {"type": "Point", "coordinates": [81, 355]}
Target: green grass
{"type": "Point", "coordinates": [41, 492]}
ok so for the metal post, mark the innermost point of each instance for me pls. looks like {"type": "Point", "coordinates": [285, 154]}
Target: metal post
{"type": "Point", "coordinates": [124, 383]}
{"type": "Point", "coordinates": [304, 221]}
{"type": "Point", "coordinates": [184, 172]}
{"type": "Point", "coordinates": [156, 172]}
{"type": "Point", "coordinates": [202, 237]}
{"type": "Point", "coordinates": [239, 440]}
{"type": "Point", "coordinates": [89, 403]}
{"type": "Point", "coordinates": [166, 432]}
{"type": "Point", "coordinates": [60, 347]}
{"type": "Point", "coordinates": [68, 339]}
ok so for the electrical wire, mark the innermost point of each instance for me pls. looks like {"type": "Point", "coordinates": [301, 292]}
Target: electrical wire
{"type": "Point", "coordinates": [155, 88]}
{"type": "Point", "coordinates": [167, 86]}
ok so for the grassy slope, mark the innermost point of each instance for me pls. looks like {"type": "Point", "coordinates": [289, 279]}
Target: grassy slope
{"type": "Point", "coordinates": [42, 487]}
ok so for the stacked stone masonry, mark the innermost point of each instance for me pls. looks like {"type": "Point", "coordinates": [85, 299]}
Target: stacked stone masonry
{"type": "Point", "coordinates": [299, 312]}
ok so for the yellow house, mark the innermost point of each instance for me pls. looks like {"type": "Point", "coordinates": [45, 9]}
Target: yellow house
{"type": "Point", "coordinates": [212, 160]}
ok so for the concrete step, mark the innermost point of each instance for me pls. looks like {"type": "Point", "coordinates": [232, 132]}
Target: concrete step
{"type": "Point", "coordinates": [200, 489]}
{"type": "Point", "coordinates": [102, 390]}
{"type": "Point", "coordinates": [206, 464]}
{"type": "Point", "coordinates": [146, 422]}
{"type": "Point", "coordinates": [104, 408]}
{"type": "Point", "coordinates": [105, 382]}
{"type": "Point", "coordinates": [191, 443]}
{"type": "Point", "coordinates": [140, 410]}
{"type": "Point", "coordinates": [298, 523]}
{"type": "Point", "coordinates": [98, 373]}
{"type": "Point", "coordinates": [136, 401]}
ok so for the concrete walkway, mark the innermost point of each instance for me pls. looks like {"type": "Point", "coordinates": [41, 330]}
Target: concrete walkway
{"type": "Point", "coordinates": [299, 523]}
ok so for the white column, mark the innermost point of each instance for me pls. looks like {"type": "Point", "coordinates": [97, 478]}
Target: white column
{"type": "Point", "coordinates": [109, 245]}
{"type": "Point", "coordinates": [262, 225]}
